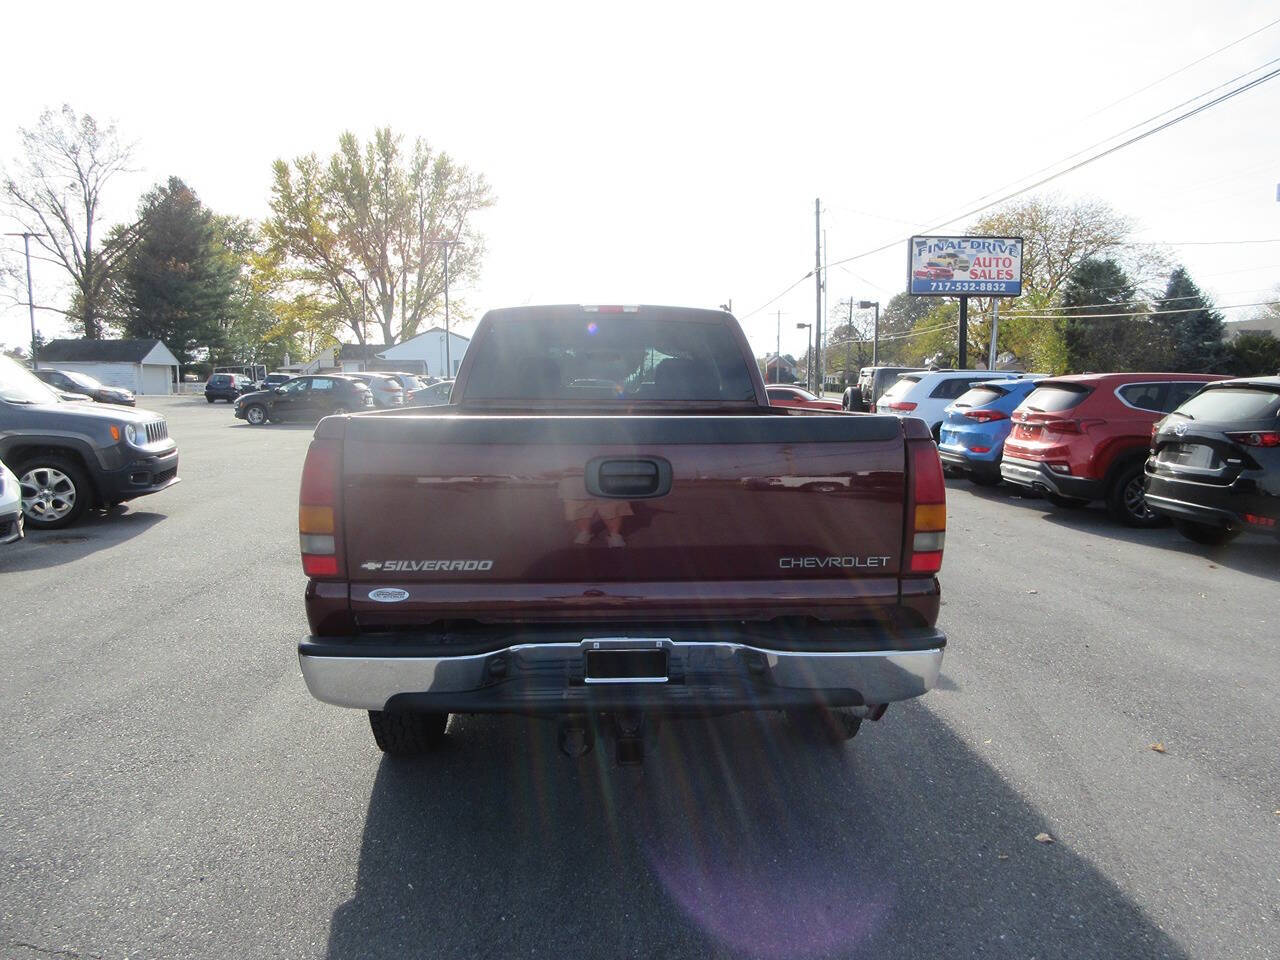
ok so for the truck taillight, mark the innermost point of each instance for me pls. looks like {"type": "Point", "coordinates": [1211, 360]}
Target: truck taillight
{"type": "Point", "coordinates": [318, 506]}
{"type": "Point", "coordinates": [926, 509]}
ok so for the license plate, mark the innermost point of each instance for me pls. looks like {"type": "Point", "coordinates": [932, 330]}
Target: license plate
{"type": "Point", "coordinates": [1189, 455]}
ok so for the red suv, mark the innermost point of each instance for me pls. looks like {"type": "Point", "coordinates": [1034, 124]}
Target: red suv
{"type": "Point", "coordinates": [1082, 438]}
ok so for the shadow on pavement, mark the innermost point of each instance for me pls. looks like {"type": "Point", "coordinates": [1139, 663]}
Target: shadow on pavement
{"type": "Point", "coordinates": [1253, 553]}
{"type": "Point", "coordinates": [97, 530]}
{"type": "Point", "coordinates": [735, 839]}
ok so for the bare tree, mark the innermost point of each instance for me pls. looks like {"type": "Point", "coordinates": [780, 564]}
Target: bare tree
{"type": "Point", "coordinates": [56, 191]}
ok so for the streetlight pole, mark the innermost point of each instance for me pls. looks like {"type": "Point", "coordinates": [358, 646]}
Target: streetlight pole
{"type": "Point", "coordinates": [808, 346]}
{"type": "Point", "coordinates": [448, 359]}
{"type": "Point", "coordinates": [31, 306]}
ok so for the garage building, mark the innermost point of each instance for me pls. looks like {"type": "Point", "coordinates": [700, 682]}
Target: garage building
{"type": "Point", "coordinates": [143, 366]}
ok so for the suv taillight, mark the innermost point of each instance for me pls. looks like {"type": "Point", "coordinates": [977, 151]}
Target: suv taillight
{"type": "Point", "coordinates": [901, 406]}
{"type": "Point", "coordinates": [926, 509]}
{"type": "Point", "coordinates": [318, 510]}
{"type": "Point", "coordinates": [1257, 438]}
{"type": "Point", "coordinates": [985, 416]}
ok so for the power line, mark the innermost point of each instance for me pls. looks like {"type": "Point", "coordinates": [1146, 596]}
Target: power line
{"type": "Point", "coordinates": [1134, 300]}
{"type": "Point", "coordinates": [1145, 313]}
{"type": "Point", "coordinates": [771, 302]}
{"type": "Point", "coordinates": [1182, 69]}
{"type": "Point", "coordinates": [1243, 88]}
{"type": "Point", "coordinates": [1197, 243]}
{"type": "Point", "coordinates": [1130, 128]}
{"type": "Point", "coordinates": [1257, 81]}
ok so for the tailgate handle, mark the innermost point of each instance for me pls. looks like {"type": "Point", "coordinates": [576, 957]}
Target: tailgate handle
{"type": "Point", "coordinates": [634, 479]}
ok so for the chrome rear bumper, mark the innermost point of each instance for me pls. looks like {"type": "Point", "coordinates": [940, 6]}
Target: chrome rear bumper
{"type": "Point", "coordinates": [549, 677]}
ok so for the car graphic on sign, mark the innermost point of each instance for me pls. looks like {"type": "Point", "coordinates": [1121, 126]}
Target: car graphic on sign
{"type": "Point", "coordinates": [933, 271]}
{"type": "Point", "coordinates": [952, 260]}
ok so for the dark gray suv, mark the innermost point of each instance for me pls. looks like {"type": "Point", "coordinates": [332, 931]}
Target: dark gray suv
{"type": "Point", "coordinates": [69, 457]}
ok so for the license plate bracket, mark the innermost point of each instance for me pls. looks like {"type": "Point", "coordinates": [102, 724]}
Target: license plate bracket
{"type": "Point", "coordinates": [614, 662]}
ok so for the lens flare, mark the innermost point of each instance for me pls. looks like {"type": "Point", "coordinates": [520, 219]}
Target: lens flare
{"type": "Point", "coordinates": [593, 328]}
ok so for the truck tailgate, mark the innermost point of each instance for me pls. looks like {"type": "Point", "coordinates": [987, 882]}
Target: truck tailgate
{"type": "Point", "coordinates": [490, 517]}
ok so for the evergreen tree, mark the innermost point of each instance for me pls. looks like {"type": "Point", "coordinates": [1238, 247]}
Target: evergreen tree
{"type": "Point", "coordinates": [1196, 329]}
{"type": "Point", "coordinates": [1253, 353]}
{"type": "Point", "coordinates": [178, 280]}
{"type": "Point", "coordinates": [1095, 341]}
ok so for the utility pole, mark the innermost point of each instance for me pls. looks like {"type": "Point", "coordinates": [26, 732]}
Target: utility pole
{"type": "Point", "coordinates": [26, 236]}
{"type": "Point", "coordinates": [875, 330]}
{"type": "Point", "coordinates": [962, 350]}
{"type": "Point", "coordinates": [817, 279]}
{"type": "Point", "coordinates": [448, 359]}
{"type": "Point", "coordinates": [777, 354]}
{"type": "Point", "coordinates": [848, 344]}
{"type": "Point", "coordinates": [995, 324]}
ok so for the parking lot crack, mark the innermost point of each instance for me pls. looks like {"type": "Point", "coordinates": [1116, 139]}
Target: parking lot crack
{"type": "Point", "coordinates": [50, 952]}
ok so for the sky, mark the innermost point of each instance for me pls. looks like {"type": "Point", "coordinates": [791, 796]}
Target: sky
{"type": "Point", "coordinates": [672, 152]}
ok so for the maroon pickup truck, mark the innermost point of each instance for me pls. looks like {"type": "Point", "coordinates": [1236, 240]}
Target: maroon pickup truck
{"type": "Point", "coordinates": [609, 521]}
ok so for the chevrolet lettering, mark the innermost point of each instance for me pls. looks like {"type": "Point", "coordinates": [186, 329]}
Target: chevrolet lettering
{"type": "Point", "coordinates": [819, 563]}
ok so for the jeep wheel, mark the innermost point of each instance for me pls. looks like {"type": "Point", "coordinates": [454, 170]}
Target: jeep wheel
{"type": "Point", "coordinates": [1208, 534]}
{"type": "Point", "coordinates": [407, 734]}
{"type": "Point", "coordinates": [256, 414]}
{"type": "Point", "coordinates": [832, 725]}
{"type": "Point", "coordinates": [209, 398]}
{"type": "Point", "coordinates": [1126, 501]}
{"type": "Point", "coordinates": [55, 491]}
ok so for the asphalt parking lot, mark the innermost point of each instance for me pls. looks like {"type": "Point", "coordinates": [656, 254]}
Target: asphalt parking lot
{"type": "Point", "coordinates": [171, 790]}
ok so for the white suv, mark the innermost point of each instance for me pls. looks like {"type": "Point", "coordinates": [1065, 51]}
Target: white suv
{"type": "Point", "coordinates": [927, 394]}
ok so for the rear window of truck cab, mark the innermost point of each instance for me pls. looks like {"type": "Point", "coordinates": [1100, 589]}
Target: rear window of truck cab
{"type": "Point", "coordinates": [1055, 397]}
{"type": "Point", "coordinates": [603, 357]}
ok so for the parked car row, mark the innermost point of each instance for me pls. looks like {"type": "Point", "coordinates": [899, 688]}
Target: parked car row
{"type": "Point", "coordinates": [315, 396]}
{"type": "Point", "coordinates": [1198, 449]}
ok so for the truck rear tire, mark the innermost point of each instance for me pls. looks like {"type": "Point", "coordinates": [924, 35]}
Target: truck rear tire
{"type": "Point", "coordinates": [830, 725]}
{"type": "Point", "coordinates": [407, 734]}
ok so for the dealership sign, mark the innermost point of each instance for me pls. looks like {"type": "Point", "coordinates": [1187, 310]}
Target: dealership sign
{"type": "Point", "coordinates": [965, 266]}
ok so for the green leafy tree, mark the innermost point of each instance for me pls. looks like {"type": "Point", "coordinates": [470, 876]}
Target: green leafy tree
{"type": "Point", "coordinates": [933, 337]}
{"type": "Point", "coordinates": [178, 282]}
{"type": "Point", "coordinates": [1253, 353]}
{"type": "Point", "coordinates": [1035, 343]}
{"type": "Point", "coordinates": [1059, 235]}
{"type": "Point", "coordinates": [55, 190]}
{"type": "Point", "coordinates": [1195, 328]}
{"type": "Point", "coordinates": [367, 232]}
{"type": "Point", "coordinates": [898, 317]}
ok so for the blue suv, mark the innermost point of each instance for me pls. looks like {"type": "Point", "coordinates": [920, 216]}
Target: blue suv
{"type": "Point", "coordinates": [974, 427]}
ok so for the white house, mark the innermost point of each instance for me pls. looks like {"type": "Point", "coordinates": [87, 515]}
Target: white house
{"type": "Point", "coordinates": [426, 352]}
{"type": "Point", "coordinates": [143, 366]}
